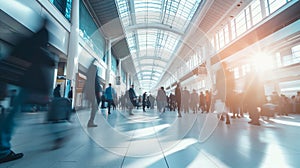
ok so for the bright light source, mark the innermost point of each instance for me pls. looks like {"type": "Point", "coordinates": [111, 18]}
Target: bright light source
{"type": "Point", "coordinates": [263, 61]}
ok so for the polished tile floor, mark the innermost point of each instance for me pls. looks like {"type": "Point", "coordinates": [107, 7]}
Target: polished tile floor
{"type": "Point", "coordinates": [158, 140]}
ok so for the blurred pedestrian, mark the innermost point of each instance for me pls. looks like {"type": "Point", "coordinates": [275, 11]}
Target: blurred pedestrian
{"type": "Point", "coordinates": [93, 92]}
{"type": "Point", "coordinates": [110, 94]}
{"type": "Point", "coordinates": [56, 92]}
{"type": "Point", "coordinates": [70, 94]}
{"type": "Point", "coordinates": [144, 101]}
{"type": "Point", "coordinates": [194, 101]}
{"type": "Point", "coordinates": [161, 99]}
{"type": "Point", "coordinates": [35, 80]}
{"type": "Point", "coordinates": [178, 98]}
{"type": "Point", "coordinates": [131, 99]}
{"type": "Point", "coordinates": [185, 100]}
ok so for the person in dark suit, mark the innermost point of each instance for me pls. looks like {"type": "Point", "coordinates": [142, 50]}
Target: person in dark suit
{"type": "Point", "coordinates": [131, 99]}
{"type": "Point", "coordinates": [144, 101]}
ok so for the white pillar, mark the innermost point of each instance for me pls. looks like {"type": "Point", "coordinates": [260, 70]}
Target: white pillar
{"type": "Point", "coordinates": [108, 69]}
{"type": "Point", "coordinates": [120, 67]}
{"type": "Point", "coordinates": [120, 71]}
{"type": "Point", "coordinates": [127, 81]}
{"type": "Point", "coordinates": [72, 62]}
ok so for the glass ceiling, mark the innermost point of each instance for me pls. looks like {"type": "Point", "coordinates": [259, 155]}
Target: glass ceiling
{"type": "Point", "coordinates": [153, 31]}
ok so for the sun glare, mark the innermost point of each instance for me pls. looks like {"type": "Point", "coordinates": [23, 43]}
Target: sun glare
{"type": "Point", "coordinates": [263, 61]}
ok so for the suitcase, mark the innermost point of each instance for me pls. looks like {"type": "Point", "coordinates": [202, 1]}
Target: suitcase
{"type": "Point", "coordinates": [59, 110]}
{"type": "Point", "coordinates": [269, 110]}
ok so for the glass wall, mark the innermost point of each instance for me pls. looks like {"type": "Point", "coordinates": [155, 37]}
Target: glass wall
{"type": "Point", "coordinates": [64, 6]}
{"type": "Point", "coordinates": [123, 75]}
{"type": "Point", "coordinates": [90, 32]}
{"type": "Point", "coordinates": [114, 64]}
{"type": "Point", "coordinates": [246, 19]}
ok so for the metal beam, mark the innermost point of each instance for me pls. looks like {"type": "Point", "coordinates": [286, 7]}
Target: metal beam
{"type": "Point", "coordinates": [152, 71]}
{"type": "Point", "coordinates": [152, 65]}
{"type": "Point", "coordinates": [153, 26]}
{"type": "Point", "coordinates": [150, 57]}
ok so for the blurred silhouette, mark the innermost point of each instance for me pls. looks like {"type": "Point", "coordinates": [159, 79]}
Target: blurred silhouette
{"type": "Point", "coordinates": [59, 115]}
{"type": "Point", "coordinates": [185, 99]}
{"type": "Point", "coordinates": [109, 96]}
{"type": "Point", "coordinates": [144, 101]}
{"type": "Point", "coordinates": [3, 94]}
{"type": "Point", "coordinates": [224, 93]}
{"type": "Point", "coordinates": [194, 101]}
{"type": "Point", "coordinates": [12, 95]}
{"type": "Point", "coordinates": [34, 82]}
{"type": "Point", "coordinates": [161, 99]}
{"type": "Point", "coordinates": [254, 97]}
{"type": "Point", "coordinates": [70, 94]}
{"type": "Point", "coordinates": [178, 98]}
{"type": "Point", "coordinates": [56, 92]}
{"type": "Point", "coordinates": [103, 101]}
{"type": "Point", "coordinates": [131, 99]}
{"type": "Point", "coordinates": [93, 92]}
{"type": "Point", "coordinates": [151, 100]}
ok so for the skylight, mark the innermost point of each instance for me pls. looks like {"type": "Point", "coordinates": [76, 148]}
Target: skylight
{"type": "Point", "coordinates": [153, 31]}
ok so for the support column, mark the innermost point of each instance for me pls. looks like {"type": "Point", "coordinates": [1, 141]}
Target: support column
{"type": "Point", "coordinates": [108, 69]}
{"type": "Point", "coordinates": [120, 67]}
{"type": "Point", "coordinates": [127, 81]}
{"type": "Point", "coordinates": [119, 72]}
{"type": "Point", "coordinates": [72, 62]}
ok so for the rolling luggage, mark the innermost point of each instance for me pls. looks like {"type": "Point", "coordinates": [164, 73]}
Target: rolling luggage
{"type": "Point", "coordinates": [60, 109]}
{"type": "Point", "coordinates": [269, 110]}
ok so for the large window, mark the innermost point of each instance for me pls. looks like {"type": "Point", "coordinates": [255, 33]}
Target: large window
{"type": "Point", "coordinates": [247, 18]}
{"type": "Point", "coordinates": [221, 38]}
{"type": "Point", "coordinates": [273, 5]}
{"type": "Point", "coordinates": [278, 59]}
{"type": "Point", "coordinates": [155, 42]}
{"type": "Point", "coordinates": [256, 12]}
{"type": "Point", "coordinates": [292, 58]}
{"type": "Point", "coordinates": [246, 69]}
{"type": "Point", "coordinates": [217, 44]}
{"type": "Point", "coordinates": [240, 23]}
{"type": "Point", "coordinates": [64, 6]}
{"type": "Point", "coordinates": [236, 72]}
{"type": "Point", "coordinates": [226, 34]}
{"type": "Point", "coordinates": [233, 29]}
{"type": "Point", "coordinates": [289, 88]}
{"type": "Point", "coordinates": [90, 33]}
{"type": "Point", "coordinates": [296, 54]}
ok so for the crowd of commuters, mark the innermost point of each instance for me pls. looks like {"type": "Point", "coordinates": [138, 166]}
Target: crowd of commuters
{"type": "Point", "coordinates": [182, 100]}
{"type": "Point", "coordinates": [186, 101]}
